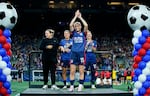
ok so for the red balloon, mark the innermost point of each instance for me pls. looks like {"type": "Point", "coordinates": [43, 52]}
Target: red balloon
{"type": "Point", "coordinates": [146, 46]}
{"type": "Point", "coordinates": [1, 84]}
{"type": "Point", "coordinates": [6, 95]}
{"type": "Point", "coordinates": [2, 39]}
{"type": "Point", "coordinates": [7, 46]}
{"type": "Point", "coordinates": [9, 52]}
{"type": "Point", "coordinates": [137, 58]}
{"type": "Point", "coordinates": [135, 65]}
{"type": "Point", "coordinates": [148, 91]}
{"type": "Point", "coordinates": [146, 95]}
{"type": "Point", "coordinates": [148, 40]}
{"type": "Point", "coordinates": [3, 91]}
{"type": "Point", "coordinates": [1, 32]}
{"type": "Point", "coordinates": [142, 52]}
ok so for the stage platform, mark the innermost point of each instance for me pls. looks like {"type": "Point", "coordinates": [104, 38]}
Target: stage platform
{"type": "Point", "coordinates": [85, 92]}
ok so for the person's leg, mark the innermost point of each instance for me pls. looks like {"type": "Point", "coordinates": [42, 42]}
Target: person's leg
{"type": "Point", "coordinates": [53, 73]}
{"type": "Point", "coordinates": [93, 77]}
{"type": "Point", "coordinates": [65, 65]}
{"type": "Point", "coordinates": [72, 76]}
{"type": "Point", "coordinates": [81, 81]}
{"type": "Point", "coordinates": [45, 74]}
{"type": "Point", "coordinates": [64, 71]}
{"type": "Point", "coordinates": [53, 76]}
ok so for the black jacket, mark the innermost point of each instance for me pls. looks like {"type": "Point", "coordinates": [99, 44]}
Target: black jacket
{"type": "Point", "coordinates": [49, 53]}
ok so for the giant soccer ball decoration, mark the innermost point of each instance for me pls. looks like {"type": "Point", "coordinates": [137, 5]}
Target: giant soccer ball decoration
{"type": "Point", "coordinates": [8, 15]}
{"type": "Point", "coordinates": [139, 17]}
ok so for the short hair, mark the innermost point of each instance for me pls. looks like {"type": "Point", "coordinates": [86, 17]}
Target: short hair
{"type": "Point", "coordinates": [67, 31]}
{"type": "Point", "coordinates": [77, 22]}
{"type": "Point", "coordinates": [50, 30]}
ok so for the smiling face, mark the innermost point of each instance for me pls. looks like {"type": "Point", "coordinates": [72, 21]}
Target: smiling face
{"type": "Point", "coordinates": [89, 35]}
{"type": "Point", "coordinates": [66, 34]}
{"type": "Point", "coordinates": [49, 33]}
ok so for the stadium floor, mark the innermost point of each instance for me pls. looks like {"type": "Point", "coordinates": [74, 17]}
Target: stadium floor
{"type": "Point", "coordinates": [85, 92]}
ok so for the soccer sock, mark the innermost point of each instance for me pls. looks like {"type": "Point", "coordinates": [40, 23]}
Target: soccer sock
{"type": "Point", "coordinates": [65, 82]}
{"type": "Point", "coordinates": [81, 81]}
{"type": "Point", "coordinates": [72, 82]}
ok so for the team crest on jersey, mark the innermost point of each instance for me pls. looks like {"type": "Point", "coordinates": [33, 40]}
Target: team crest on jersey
{"type": "Point", "coordinates": [81, 34]}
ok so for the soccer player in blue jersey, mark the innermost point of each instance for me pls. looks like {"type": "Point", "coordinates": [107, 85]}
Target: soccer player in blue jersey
{"type": "Point", "coordinates": [65, 48]}
{"type": "Point", "coordinates": [90, 48]}
{"type": "Point", "coordinates": [77, 50]}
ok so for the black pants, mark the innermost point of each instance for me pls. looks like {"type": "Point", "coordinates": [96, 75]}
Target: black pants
{"type": "Point", "coordinates": [49, 65]}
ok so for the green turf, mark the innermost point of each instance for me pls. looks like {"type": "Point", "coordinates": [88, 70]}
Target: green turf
{"type": "Point", "coordinates": [20, 87]}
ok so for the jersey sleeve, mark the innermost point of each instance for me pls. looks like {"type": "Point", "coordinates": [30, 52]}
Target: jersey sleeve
{"type": "Point", "coordinates": [61, 43]}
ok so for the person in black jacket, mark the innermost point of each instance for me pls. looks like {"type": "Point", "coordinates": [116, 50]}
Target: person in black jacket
{"type": "Point", "coordinates": [49, 45]}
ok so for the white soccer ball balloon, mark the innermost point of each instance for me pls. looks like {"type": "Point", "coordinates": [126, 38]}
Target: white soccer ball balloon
{"type": "Point", "coordinates": [139, 17]}
{"type": "Point", "coordinates": [8, 15]}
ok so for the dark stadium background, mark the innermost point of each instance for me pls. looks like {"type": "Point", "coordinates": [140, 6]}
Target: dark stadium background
{"type": "Point", "coordinates": [106, 20]}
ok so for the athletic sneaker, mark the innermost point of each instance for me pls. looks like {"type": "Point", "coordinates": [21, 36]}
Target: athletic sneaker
{"type": "Point", "coordinates": [80, 87]}
{"type": "Point", "coordinates": [71, 88]}
{"type": "Point", "coordinates": [45, 87]}
{"type": "Point", "coordinates": [65, 87]}
{"type": "Point", "coordinates": [93, 87]}
{"type": "Point", "coordinates": [54, 87]}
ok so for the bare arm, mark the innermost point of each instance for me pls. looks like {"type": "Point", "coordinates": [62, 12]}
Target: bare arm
{"type": "Point", "coordinates": [84, 23]}
{"type": "Point", "coordinates": [73, 20]}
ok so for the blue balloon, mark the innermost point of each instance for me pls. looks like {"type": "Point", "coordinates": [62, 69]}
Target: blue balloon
{"type": "Point", "coordinates": [142, 39]}
{"type": "Point", "coordinates": [7, 84]}
{"type": "Point", "coordinates": [146, 84]}
{"type": "Point", "coordinates": [148, 78]}
{"type": "Point", "coordinates": [145, 33]}
{"type": "Point", "coordinates": [9, 65]}
{"type": "Point", "coordinates": [6, 59]}
{"type": "Point", "coordinates": [142, 65]}
{"type": "Point", "coordinates": [7, 33]}
{"type": "Point", "coordinates": [142, 91]}
{"type": "Point", "coordinates": [148, 52]}
{"type": "Point", "coordinates": [2, 52]}
{"type": "Point", "coordinates": [9, 40]}
{"type": "Point", "coordinates": [137, 71]}
{"type": "Point", "coordinates": [146, 58]}
{"type": "Point", "coordinates": [134, 53]}
{"type": "Point", "coordinates": [9, 91]}
{"type": "Point", "coordinates": [137, 46]}
{"type": "Point", "coordinates": [0, 45]}
{"type": "Point", "coordinates": [135, 78]}
{"type": "Point", "coordinates": [3, 78]}
{"type": "Point", "coordinates": [1, 71]}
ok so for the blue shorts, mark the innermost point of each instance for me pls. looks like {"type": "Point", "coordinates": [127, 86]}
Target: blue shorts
{"type": "Point", "coordinates": [77, 58]}
{"type": "Point", "coordinates": [65, 63]}
{"type": "Point", "coordinates": [91, 65]}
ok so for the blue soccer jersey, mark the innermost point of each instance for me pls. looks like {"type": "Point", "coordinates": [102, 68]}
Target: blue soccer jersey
{"type": "Point", "coordinates": [78, 42]}
{"type": "Point", "coordinates": [90, 55]}
{"type": "Point", "coordinates": [66, 44]}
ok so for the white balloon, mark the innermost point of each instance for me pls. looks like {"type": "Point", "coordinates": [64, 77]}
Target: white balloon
{"type": "Point", "coordinates": [146, 71]}
{"type": "Point", "coordinates": [0, 58]}
{"type": "Point", "coordinates": [6, 71]}
{"type": "Point", "coordinates": [137, 84]}
{"type": "Point", "coordinates": [148, 64]}
{"type": "Point", "coordinates": [134, 40]}
{"type": "Point", "coordinates": [3, 64]}
{"type": "Point", "coordinates": [142, 78]}
{"type": "Point", "coordinates": [9, 78]}
{"type": "Point", "coordinates": [135, 91]}
{"type": "Point", "coordinates": [137, 33]}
